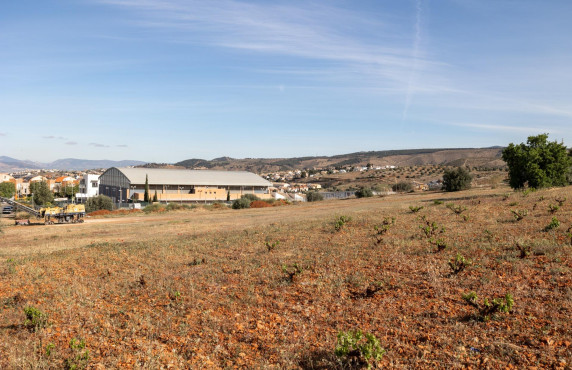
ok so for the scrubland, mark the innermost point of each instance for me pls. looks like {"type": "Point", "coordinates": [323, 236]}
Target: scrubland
{"type": "Point", "coordinates": [273, 287]}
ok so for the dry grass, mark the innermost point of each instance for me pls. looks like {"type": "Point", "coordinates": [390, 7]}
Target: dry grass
{"type": "Point", "coordinates": [200, 288]}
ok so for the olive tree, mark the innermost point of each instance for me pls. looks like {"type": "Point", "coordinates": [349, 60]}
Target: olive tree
{"type": "Point", "coordinates": [456, 179]}
{"type": "Point", "coordinates": [42, 193]}
{"type": "Point", "coordinates": [7, 189]}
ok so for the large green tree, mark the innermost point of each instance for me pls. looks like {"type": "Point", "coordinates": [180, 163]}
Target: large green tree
{"type": "Point", "coordinates": [539, 163]}
{"type": "Point", "coordinates": [42, 193]}
{"type": "Point", "coordinates": [456, 179]}
{"type": "Point", "coordinates": [69, 191]}
{"type": "Point", "coordinates": [7, 189]}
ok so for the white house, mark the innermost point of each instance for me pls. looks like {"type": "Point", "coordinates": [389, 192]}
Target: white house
{"type": "Point", "coordinates": [88, 187]}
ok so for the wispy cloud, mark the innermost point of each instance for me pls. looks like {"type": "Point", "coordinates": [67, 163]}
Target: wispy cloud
{"type": "Point", "coordinates": [316, 32]}
{"type": "Point", "coordinates": [71, 143]}
{"type": "Point", "coordinates": [122, 146]}
{"type": "Point", "coordinates": [98, 145]}
{"type": "Point", "coordinates": [52, 137]}
{"type": "Point", "coordinates": [3, 134]}
{"type": "Point", "coordinates": [416, 43]}
{"type": "Point", "coordinates": [504, 128]}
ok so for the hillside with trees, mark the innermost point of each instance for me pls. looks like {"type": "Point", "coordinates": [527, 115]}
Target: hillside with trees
{"type": "Point", "coordinates": [483, 157]}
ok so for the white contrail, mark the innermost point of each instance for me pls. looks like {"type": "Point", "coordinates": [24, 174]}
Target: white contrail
{"type": "Point", "coordinates": [413, 73]}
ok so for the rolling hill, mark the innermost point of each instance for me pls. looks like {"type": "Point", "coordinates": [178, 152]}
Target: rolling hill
{"type": "Point", "coordinates": [483, 157]}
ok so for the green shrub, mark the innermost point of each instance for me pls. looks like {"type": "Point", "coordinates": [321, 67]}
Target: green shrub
{"type": "Point", "coordinates": [439, 243]}
{"type": "Point", "coordinates": [552, 208]}
{"type": "Point", "coordinates": [364, 193]}
{"type": "Point", "coordinates": [357, 349]}
{"type": "Point", "coordinates": [98, 203]}
{"type": "Point", "coordinates": [415, 209]}
{"type": "Point", "coordinates": [459, 263]}
{"type": "Point", "coordinates": [456, 209]}
{"type": "Point", "coordinates": [554, 224]}
{"type": "Point", "coordinates": [402, 187]}
{"type": "Point", "coordinates": [79, 358]}
{"type": "Point", "coordinates": [314, 196]}
{"type": "Point", "coordinates": [519, 214]}
{"type": "Point", "coordinates": [486, 310]}
{"type": "Point", "coordinates": [341, 221]}
{"type": "Point", "coordinates": [250, 197]}
{"type": "Point", "coordinates": [272, 246]}
{"type": "Point", "coordinates": [431, 228]}
{"type": "Point", "coordinates": [241, 203]}
{"type": "Point", "coordinates": [35, 319]}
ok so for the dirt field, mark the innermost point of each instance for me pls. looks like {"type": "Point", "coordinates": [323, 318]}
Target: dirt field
{"type": "Point", "coordinates": [273, 287]}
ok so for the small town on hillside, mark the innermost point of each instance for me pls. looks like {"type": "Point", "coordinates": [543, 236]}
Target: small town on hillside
{"type": "Point", "coordinates": [127, 185]}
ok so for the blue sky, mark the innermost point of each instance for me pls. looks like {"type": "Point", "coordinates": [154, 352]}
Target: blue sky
{"type": "Point", "coordinates": [168, 80]}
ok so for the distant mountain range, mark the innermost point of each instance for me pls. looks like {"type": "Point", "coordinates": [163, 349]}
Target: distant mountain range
{"type": "Point", "coordinates": [8, 164]}
{"type": "Point", "coordinates": [474, 157]}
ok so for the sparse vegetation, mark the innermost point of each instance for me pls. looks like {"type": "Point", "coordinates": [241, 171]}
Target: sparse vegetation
{"type": "Point", "coordinates": [79, 358]}
{"type": "Point", "coordinates": [292, 271]}
{"type": "Point", "coordinates": [487, 309]}
{"type": "Point", "coordinates": [35, 319]}
{"type": "Point", "coordinates": [357, 349]}
{"type": "Point", "coordinates": [341, 222]}
{"type": "Point", "coordinates": [200, 289]}
{"type": "Point", "coordinates": [523, 249]}
{"type": "Point", "coordinates": [415, 209]}
{"type": "Point", "coordinates": [554, 224]}
{"type": "Point", "coordinates": [552, 208]}
{"type": "Point", "coordinates": [459, 263]}
{"type": "Point", "coordinates": [519, 214]}
{"type": "Point", "coordinates": [271, 246]}
{"type": "Point", "coordinates": [457, 209]}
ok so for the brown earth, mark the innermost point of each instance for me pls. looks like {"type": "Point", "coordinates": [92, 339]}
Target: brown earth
{"type": "Point", "coordinates": [219, 288]}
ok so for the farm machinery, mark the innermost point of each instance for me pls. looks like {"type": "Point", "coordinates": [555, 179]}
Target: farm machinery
{"type": "Point", "coordinates": [71, 213]}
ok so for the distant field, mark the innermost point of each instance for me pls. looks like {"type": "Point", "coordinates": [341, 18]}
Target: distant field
{"type": "Point", "coordinates": [206, 288]}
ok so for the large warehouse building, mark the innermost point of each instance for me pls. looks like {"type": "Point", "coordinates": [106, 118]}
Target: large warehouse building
{"type": "Point", "coordinates": [173, 185]}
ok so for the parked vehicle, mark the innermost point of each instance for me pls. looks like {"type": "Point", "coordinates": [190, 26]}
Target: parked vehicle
{"type": "Point", "coordinates": [7, 210]}
{"type": "Point", "coordinates": [70, 213]}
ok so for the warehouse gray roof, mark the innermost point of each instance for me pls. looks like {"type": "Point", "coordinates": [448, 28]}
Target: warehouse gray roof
{"type": "Point", "coordinates": [163, 176]}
